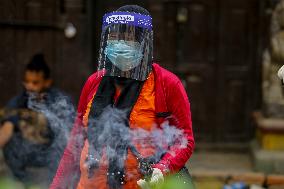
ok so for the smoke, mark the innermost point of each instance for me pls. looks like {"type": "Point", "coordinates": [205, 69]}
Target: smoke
{"type": "Point", "coordinates": [164, 138]}
{"type": "Point", "coordinates": [112, 132]}
{"type": "Point", "coordinates": [60, 114]}
{"type": "Point", "coordinates": [109, 132]}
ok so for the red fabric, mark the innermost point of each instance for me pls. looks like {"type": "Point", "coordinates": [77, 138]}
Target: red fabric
{"type": "Point", "coordinates": [170, 97]}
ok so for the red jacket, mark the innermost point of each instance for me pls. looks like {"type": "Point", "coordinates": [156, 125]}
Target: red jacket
{"type": "Point", "coordinates": [170, 98]}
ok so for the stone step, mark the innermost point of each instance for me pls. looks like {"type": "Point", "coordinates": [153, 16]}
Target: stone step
{"type": "Point", "coordinates": [247, 177]}
{"type": "Point", "coordinates": [270, 132]}
{"type": "Point", "coordinates": [267, 161]}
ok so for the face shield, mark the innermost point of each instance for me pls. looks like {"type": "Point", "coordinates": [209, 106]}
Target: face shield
{"type": "Point", "coordinates": [126, 47]}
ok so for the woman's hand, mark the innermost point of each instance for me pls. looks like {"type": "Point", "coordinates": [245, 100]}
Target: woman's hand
{"type": "Point", "coordinates": [156, 179]}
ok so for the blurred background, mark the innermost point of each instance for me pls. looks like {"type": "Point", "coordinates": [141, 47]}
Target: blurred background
{"type": "Point", "coordinates": [226, 52]}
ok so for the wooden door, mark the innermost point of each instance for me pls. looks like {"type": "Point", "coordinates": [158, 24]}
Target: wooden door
{"type": "Point", "coordinates": [195, 43]}
{"type": "Point", "coordinates": [32, 26]}
{"type": "Point", "coordinates": [26, 28]}
{"type": "Point", "coordinates": [216, 45]}
{"type": "Point", "coordinates": [238, 48]}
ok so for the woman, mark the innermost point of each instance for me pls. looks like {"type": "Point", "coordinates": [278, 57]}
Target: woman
{"type": "Point", "coordinates": [128, 92]}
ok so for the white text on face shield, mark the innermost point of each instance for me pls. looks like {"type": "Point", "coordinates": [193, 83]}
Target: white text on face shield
{"type": "Point", "coordinates": [119, 19]}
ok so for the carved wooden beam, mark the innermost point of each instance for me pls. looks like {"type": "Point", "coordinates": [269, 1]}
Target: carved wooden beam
{"type": "Point", "coordinates": [22, 24]}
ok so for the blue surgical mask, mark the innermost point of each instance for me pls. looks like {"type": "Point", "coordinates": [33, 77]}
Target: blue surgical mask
{"type": "Point", "coordinates": [125, 55]}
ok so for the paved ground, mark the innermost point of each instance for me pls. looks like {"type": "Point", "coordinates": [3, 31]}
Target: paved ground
{"type": "Point", "coordinates": [210, 168]}
{"type": "Point", "coordinates": [220, 161]}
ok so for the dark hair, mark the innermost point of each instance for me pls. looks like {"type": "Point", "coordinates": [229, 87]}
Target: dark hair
{"type": "Point", "coordinates": [38, 64]}
{"type": "Point", "coordinates": [134, 8]}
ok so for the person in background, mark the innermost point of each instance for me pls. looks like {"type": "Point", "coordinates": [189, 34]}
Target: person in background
{"type": "Point", "coordinates": [127, 80]}
{"type": "Point", "coordinates": [33, 121]}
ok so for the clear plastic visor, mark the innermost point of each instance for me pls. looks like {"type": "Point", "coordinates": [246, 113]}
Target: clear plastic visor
{"type": "Point", "coordinates": [126, 51]}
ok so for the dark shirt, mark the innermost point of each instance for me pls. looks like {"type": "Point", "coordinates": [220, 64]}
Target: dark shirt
{"type": "Point", "coordinates": [21, 153]}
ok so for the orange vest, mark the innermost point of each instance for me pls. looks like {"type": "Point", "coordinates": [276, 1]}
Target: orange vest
{"type": "Point", "coordinates": [142, 116]}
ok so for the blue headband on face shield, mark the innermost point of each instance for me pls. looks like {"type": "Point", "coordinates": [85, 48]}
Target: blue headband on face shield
{"type": "Point", "coordinates": [129, 18]}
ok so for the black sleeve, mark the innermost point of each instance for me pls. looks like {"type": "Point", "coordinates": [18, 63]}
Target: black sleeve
{"type": "Point", "coordinates": [16, 102]}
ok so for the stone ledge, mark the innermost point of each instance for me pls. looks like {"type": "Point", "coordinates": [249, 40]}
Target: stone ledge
{"type": "Point", "coordinates": [275, 125]}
